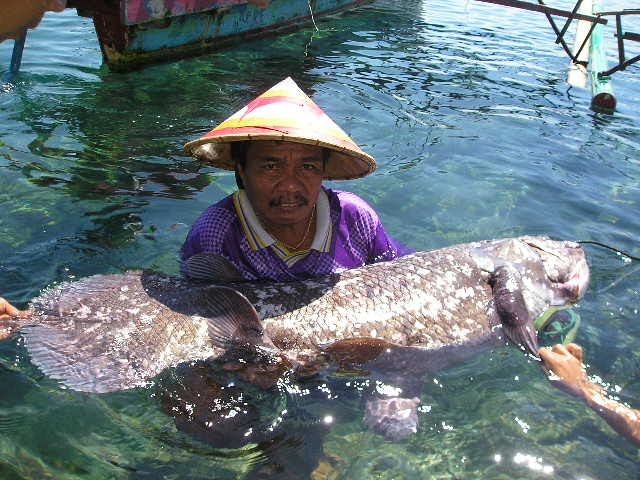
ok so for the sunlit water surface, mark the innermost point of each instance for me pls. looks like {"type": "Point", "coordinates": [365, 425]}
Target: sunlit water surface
{"type": "Point", "coordinates": [476, 134]}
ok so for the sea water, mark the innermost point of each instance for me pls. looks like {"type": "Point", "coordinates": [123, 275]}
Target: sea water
{"type": "Point", "coordinates": [477, 135]}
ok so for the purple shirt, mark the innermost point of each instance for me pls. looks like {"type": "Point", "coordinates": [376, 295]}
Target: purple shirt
{"type": "Point", "coordinates": [351, 237]}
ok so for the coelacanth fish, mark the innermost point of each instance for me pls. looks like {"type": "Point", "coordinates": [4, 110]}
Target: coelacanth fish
{"type": "Point", "coordinates": [419, 313]}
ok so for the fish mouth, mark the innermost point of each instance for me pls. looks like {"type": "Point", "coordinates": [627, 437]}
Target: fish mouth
{"type": "Point", "coordinates": [566, 268]}
{"type": "Point", "coordinates": [574, 283]}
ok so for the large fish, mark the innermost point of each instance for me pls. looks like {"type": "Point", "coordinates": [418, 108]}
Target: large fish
{"type": "Point", "coordinates": [112, 332]}
{"type": "Point", "coordinates": [402, 318]}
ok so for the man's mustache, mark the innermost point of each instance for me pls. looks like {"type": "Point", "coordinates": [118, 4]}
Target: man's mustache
{"type": "Point", "coordinates": [298, 200]}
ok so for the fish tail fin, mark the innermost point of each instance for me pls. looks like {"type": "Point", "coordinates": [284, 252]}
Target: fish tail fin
{"type": "Point", "coordinates": [512, 309]}
{"type": "Point", "coordinates": [12, 325]}
{"type": "Point", "coordinates": [233, 321]}
{"type": "Point", "coordinates": [73, 358]}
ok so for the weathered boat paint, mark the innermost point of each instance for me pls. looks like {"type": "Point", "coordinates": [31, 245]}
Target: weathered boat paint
{"type": "Point", "coordinates": [133, 33]}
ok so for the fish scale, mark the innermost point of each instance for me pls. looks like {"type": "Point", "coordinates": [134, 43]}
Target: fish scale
{"type": "Point", "coordinates": [390, 300]}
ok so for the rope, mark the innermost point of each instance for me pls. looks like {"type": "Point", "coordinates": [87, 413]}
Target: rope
{"type": "Point", "coordinates": [619, 252]}
{"type": "Point", "coordinates": [312, 18]}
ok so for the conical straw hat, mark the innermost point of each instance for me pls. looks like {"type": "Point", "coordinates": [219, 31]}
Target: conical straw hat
{"type": "Point", "coordinates": [286, 113]}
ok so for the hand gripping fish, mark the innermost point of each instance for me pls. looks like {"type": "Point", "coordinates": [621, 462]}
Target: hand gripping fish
{"type": "Point", "coordinates": [413, 315]}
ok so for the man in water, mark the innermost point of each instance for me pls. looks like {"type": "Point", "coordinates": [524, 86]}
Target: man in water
{"type": "Point", "coordinates": [282, 223]}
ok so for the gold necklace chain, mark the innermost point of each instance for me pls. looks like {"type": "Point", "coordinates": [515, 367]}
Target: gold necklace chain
{"type": "Point", "coordinates": [294, 248]}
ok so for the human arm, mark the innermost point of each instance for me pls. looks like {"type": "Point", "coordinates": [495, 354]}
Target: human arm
{"type": "Point", "coordinates": [366, 233]}
{"type": "Point", "coordinates": [565, 361]}
{"type": "Point", "coordinates": [386, 248]}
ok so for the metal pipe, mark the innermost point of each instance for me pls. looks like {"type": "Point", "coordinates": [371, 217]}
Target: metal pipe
{"type": "Point", "coordinates": [16, 57]}
{"type": "Point", "coordinates": [544, 9]}
{"type": "Point", "coordinates": [602, 97]}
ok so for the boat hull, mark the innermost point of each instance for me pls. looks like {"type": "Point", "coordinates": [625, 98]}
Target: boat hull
{"type": "Point", "coordinates": [130, 38]}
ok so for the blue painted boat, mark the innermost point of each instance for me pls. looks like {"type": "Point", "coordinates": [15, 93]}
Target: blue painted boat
{"type": "Point", "coordinates": [133, 33]}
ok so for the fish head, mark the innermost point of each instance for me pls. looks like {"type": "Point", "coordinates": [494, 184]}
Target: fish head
{"type": "Point", "coordinates": [552, 272]}
{"type": "Point", "coordinates": [564, 266]}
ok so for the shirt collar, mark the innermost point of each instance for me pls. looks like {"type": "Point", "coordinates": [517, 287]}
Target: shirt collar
{"type": "Point", "coordinates": [259, 238]}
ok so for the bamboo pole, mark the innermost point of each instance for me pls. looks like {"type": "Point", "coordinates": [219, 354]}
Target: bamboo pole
{"type": "Point", "coordinates": [577, 75]}
{"type": "Point", "coordinates": [602, 97]}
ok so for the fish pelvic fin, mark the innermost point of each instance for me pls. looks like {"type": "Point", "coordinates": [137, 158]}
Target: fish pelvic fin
{"type": "Point", "coordinates": [233, 322]}
{"type": "Point", "coordinates": [234, 325]}
{"type": "Point", "coordinates": [512, 309]}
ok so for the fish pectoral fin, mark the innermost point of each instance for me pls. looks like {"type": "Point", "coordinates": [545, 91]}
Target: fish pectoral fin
{"type": "Point", "coordinates": [232, 320]}
{"type": "Point", "coordinates": [486, 260]}
{"type": "Point", "coordinates": [512, 309]}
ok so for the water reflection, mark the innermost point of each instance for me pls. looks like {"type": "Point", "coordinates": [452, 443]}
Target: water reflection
{"type": "Point", "coordinates": [217, 408]}
{"type": "Point", "coordinates": [464, 107]}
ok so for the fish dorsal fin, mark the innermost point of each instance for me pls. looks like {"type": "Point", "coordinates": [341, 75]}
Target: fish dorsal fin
{"type": "Point", "coordinates": [211, 267]}
{"type": "Point", "coordinates": [232, 320]}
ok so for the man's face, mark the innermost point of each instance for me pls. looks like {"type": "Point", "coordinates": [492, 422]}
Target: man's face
{"type": "Point", "coordinates": [282, 180]}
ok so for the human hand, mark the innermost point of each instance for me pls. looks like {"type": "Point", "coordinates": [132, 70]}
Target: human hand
{"type": "Point", "coordinates": [8, 316]}
{"type": "Point", "coordinates": [565, 362]}
{"type": "Point", "coordinates": [8, 311]}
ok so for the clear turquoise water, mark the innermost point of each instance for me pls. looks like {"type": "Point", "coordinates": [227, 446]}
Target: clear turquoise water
{"type": "Point", "coordinates": [476, 134]}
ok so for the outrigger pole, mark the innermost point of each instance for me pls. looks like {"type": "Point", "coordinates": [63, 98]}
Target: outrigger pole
{"type": "Point", "coordinates": [577, 75]}
{"type": "Point", "coordinates": [16, 57]}
{"type": "Point", "coordinates": [602, 97]}
{"type": "Point", "coordinates": [589, 42]}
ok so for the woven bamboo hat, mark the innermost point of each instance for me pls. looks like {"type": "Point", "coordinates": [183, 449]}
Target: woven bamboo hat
{"type": "Point", "coordinates": [286, 113]}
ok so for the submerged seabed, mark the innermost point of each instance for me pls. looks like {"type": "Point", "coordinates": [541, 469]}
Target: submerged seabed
{"type": "Point", "coordinates": [477, 136]}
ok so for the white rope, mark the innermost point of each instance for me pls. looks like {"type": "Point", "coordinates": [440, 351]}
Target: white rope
{"type": "Point", "coordinates": [312, 19]}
